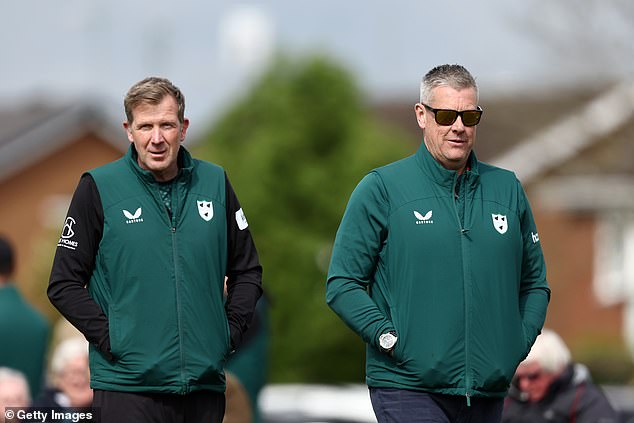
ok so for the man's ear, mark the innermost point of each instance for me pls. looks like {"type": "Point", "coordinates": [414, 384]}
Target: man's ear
{"type": "Point", "coordinates": [128, 130]}
{"type": "Point", "coordinates": [184, 127]}
{"type": "Point", "coordinates": [419, 110]}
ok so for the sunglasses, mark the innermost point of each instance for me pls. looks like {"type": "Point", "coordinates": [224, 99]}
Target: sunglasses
{"type": "Point", "coordinates": [446, 117]}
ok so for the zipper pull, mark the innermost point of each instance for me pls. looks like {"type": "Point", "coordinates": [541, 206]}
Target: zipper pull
{"type": "Point", "coordinates": [468, 399]}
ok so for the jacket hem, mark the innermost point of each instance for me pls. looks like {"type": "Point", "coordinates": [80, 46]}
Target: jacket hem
{"type": "Point", "coordinates": [159, 389]}
{"type": "Point", "coordinates": [460, 391]}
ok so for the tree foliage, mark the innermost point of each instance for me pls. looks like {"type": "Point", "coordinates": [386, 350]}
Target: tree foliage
{"type": "Point", "coordinates": [294, 147]}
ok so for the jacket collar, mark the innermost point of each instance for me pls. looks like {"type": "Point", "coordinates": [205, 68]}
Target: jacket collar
{"type": "Point", "coordinates": [438, 173]}
{"type": "Point", "coordinates": [573, 375]}
{"type": "Point", "coordinates": [185, 165]}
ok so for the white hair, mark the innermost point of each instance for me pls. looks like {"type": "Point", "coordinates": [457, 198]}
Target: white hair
{"type": "Point", "coordinates": [550, 352]}
{"type": "Point", "coordinates": [66, 351]}
{"type": "Point", "coordinates": [11, 375]}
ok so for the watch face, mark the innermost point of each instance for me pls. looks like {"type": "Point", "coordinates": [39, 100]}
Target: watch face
{"type": "Point", "coordinates": [387, 341]}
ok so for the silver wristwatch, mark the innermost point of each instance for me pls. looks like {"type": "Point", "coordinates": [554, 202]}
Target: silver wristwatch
{"type": "Point", "coordinates": [387, 341]}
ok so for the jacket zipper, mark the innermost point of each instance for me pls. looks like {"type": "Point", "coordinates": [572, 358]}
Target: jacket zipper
{"type": "Point", "coordinates": [178, 310]}
{"type": "Point", "coordinates": [467, 304]}
{"type": "Point", "coordinates": [171, 218]}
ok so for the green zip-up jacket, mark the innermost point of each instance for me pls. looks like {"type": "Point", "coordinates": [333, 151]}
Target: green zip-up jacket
{"type": "Point", "coordinates": [167, 320]}
{"type": "Point", "coordinates": [452, 263]}
{"type": "Point", "coordinates": [154, 311]}
{"type": "Point", "coordinates": [25, 334]}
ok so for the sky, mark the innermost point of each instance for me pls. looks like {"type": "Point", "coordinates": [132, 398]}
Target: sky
{"type": "Point", "coordinates": [212, 49]}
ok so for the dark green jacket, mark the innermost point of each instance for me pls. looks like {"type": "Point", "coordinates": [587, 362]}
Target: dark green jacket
{"type": "Point", "coordinates": [160, 280]}
{"type": "Point", "coordinates": [418, 252]}
{"type": "Point", "coordinates": [24, 332]}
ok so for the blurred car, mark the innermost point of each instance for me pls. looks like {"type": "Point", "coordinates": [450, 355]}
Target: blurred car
{"type": "Point", "coordinates": [301, 403]}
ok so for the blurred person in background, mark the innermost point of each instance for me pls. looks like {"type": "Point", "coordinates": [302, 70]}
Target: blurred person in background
{"type": "Point", "coordinates": [69, 377]}
{"type": "Point", "coordinates": [437, 265]}
{"type": "Point", "coordinates": [24, 331]}
{"type": "Point", "coordinates": [249, 365]}
{"type": "Point", "coordinates": [239, 408]}
{"type": "Point", "coordinates": [14, 391]}
{"type": "Point", "coordinates": [548, 387]}
{"type": "Point", "coordinates": [140, 269]}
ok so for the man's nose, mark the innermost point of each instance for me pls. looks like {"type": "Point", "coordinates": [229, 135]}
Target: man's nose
{"type": "Point", "coordinates": [157, 136]}
{"type": "Point", "coordinates": [523, 384]}
{"type": "Point", "coordinates": [458, 126]}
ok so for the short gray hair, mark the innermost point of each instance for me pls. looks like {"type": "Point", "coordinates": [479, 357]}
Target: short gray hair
{"type": "Point", "coordinates": [550, 351]}
{"type": "Point", "coordinates": [66, 351]}
{"type": "Point", "coordinates": [454, 76]}
{"type": "Point", "coordinates": [11, 375]}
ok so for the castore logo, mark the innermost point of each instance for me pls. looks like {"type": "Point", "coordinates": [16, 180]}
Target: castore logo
{"type": "Point", "coordinates": [420, 219]}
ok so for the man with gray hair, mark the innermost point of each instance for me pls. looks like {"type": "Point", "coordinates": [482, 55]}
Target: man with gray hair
{"type": "Point", "coordinates": [548, 387]}
{"type": "Point", "coordinates": [14, 391]}
{"type": "Point", "coordinates": [437, 265]}
{"type": "Point", "coordinates": [69, 377]}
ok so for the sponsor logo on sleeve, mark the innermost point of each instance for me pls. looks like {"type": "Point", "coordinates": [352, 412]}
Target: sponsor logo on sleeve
{"type": "Point", "coordinates": [535, 237]}
{"type": "Point", "coordinates": [68, 233]}
{"type": "Point", "coordinates": [241, 220]}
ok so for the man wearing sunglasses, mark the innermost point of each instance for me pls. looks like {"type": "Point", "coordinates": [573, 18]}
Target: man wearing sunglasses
{"type": "Point", "coordinates": [437, 265]}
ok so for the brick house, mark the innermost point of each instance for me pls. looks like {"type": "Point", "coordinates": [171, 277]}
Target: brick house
{"type": "Point", "coordinates": [43, 151]}
{"type": "Point", "coordinates": [579, 174]}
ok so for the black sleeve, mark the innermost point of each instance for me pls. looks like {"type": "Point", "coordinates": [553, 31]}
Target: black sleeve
{"type": "Point", "coordinates": [74, 263]}
{"type": "Point", "coordinates": [244, 273]}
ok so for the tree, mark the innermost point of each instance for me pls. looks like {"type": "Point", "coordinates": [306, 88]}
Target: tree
{"type": "Point", "coordinates": [294, 148]}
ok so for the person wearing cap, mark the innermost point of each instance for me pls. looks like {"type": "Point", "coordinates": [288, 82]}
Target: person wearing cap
{"type": "Point", "coordinates": [549, 387]}
{"type": "Point", "coordinates": [24, 331]}
{"type": "Point", "coordinates": [140, 267]}
{"type": "Point", "coordinates": [437, 265]}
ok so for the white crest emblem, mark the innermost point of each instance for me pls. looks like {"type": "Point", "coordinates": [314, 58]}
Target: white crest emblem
{"type": "Point", "coordinates": [500, 223]}
{"type": "Point", "coordinates": [205, 210]}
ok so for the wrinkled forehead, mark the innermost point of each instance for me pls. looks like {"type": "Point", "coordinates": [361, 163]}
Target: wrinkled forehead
{"type": "Point", "coordinates": [449, 94]}
{"type": "Point", "coordinates": [528, 367]}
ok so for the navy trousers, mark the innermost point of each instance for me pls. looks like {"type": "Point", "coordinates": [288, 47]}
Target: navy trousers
{"type": "Point", "coordinates": [128, 407]}
{"type": "Point", "coordinates": [393, 405]}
